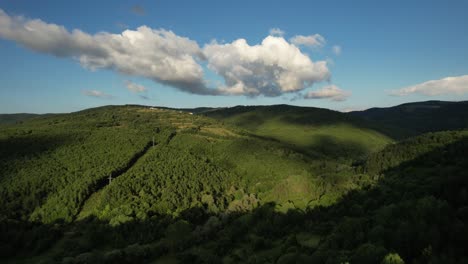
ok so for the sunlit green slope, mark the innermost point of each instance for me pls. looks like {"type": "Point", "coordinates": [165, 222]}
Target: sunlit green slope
{"type": "Point", "coordinates": [57, 168]}
{"type": "Point", "coordinates": [308, 129]}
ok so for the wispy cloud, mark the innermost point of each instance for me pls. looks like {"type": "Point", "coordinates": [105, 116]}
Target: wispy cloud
{"type": "Point", "coordinates": [96, 93]}
{"type": "Point", "coordinates": [315, 40]}
{"type": "Point", "coordinates": [331, 92]}
{"type": "Point", "coordinates": [449, 85]}
{"type": "Point", "coordinates": [353, 108]}
{"type": "Point", "coordinates": [276, 32]}
{"type": "Point", "coordinates": [138, 10]}
{"type": "Point", "coordinates": [336, 50]}
{"type": "Point", "coordinates": [134, 87]}
{"type": "Point", "coordinates": [121, 26]}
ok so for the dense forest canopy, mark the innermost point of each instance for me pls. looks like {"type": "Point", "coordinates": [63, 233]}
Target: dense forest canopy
{"type": "Point", "coordinates": [269, 184]}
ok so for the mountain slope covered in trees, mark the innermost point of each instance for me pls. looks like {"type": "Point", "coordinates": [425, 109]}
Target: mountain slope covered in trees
{"type": "Point", "coordinates": [235, 188]}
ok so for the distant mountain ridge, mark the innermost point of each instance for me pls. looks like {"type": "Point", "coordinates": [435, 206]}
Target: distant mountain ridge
{"type": "Point", "coordinates": [15, 118]}
{"type": "Point", "coordinates": [413, 119]}
{"type": "Point", "coordinates": [397, 122]}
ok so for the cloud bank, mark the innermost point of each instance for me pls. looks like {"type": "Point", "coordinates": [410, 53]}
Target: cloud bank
{"type": "Point", "coordinates": [271, 68]}
{"type": "Point", "coordinates": [331, 92]}
{"type": "Point", "coordinates": [449, 85]}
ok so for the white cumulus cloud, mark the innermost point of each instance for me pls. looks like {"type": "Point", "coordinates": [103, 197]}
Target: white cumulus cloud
{"type": "Point", "coordinates": [156, 54]}
{"type": "Point", "coordinates": [271, 68]}
{"type": "Point", "coordinates": [315, 40]}
{"type": "Point", "coordinates": [448, 85]}
{"type": "Point", "coordinates": [134, 87]}
{"type": "Point", "coordinates": [331, 92]}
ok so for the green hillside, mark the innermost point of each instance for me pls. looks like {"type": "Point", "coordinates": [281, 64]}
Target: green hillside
{"type": "Point", "coordinates": [72, 156]}
{"type": "Point", "coordinates": [278, 184]}
{"type": "Point", "coordinates": [307, 129]}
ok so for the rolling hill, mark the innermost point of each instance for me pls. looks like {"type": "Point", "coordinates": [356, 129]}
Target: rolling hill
{"type": "Point", "coordinates": [257, 184]}
{"type": "Point", "coordinates": [72, 156]}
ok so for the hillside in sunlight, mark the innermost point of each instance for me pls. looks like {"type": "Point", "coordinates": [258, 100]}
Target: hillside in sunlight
{"type": "Point", "coordinates": [72, 156]}
{"type": "Point", "coordinates": [257, 184]}
{"type": "Point", "coordinates": [307, 129]}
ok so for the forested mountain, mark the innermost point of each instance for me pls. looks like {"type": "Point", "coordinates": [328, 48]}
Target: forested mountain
{"type": "Point", "coordinates": [413, 119]}
{"type": "Point", "coordinates": [263, 184]}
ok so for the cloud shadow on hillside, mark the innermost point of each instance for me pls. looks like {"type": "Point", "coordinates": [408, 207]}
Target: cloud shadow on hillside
{"type": "Point", "coordinates": [29, 145]}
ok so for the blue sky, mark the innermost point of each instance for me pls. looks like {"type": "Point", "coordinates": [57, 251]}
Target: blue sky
{"type": "Point", "coordinates": [385, 46]}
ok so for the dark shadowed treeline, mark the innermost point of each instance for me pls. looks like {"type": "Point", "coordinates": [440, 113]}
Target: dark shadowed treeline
{"type": "Point", "coordinates": [412, 119]}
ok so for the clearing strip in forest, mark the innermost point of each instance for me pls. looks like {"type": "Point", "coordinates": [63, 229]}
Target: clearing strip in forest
{"type": "Point", "coordinates": [95, 190]}
{"type": "Point", "coordinates": [103, 182]}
